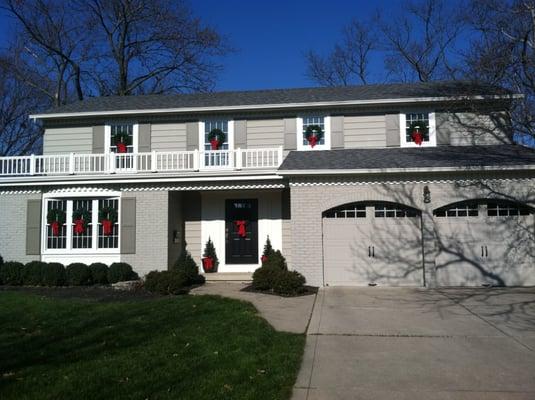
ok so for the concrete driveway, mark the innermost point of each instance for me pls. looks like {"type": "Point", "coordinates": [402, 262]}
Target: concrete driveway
{"type": "Point", "coordinates": [377, 343]}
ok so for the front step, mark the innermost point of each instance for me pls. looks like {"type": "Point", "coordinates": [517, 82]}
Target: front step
{"type": "Point", "coordinates": [229, 276]}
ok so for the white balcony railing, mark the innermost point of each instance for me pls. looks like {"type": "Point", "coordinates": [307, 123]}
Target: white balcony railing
{"type": "Point", "coordinates": [132, 163]}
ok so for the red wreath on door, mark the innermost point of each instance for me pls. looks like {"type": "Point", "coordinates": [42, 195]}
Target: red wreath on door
{"type": "Point", "coordinates": [240, 225]}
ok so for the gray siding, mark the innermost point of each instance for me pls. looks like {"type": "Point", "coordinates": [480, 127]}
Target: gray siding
{"type": "Point", "coordinates": [13, 222]}
{"type": "Point", "coordinates": [265, 133]}
{"type": "Point", "coordinates": [468, 128]}
{"type": "Point", "coordinates": [151, 231]}
{"type": "Point", "coordinates": [364, 131]}
{"type": "Point", "coordinates": [192, 224]}
{"type": "Point", "coordinates": [168, 137]}
{"type": "Point", "coordinates": [68, 140]}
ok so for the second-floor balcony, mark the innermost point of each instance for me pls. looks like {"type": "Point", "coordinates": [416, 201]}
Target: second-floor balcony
{"type": "Point", "coordinates": [135, 163]}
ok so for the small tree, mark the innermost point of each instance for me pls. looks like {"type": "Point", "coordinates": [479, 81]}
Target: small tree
{"type": "Point", "coordinates": [268, 251]}
{"type": "Point", "coordinates": [210, 257]}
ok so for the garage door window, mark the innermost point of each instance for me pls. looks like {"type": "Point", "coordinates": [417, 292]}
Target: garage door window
{"type": "Point", "coordinates": [505, 209]}
{"type": "Point", "coordinates": [349, 211]}
{"type": "Point", "coordinates": [463, 209]}
{"type": "Point", "coordinates": [394, 211]}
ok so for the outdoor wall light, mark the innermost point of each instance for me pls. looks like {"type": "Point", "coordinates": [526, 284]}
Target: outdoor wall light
{"type": "Point", "coordinates": [427, 194]}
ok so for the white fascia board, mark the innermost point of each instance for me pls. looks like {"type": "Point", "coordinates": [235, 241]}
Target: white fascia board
{"type": "Point", "coordinates": [112, 179]}
{"type": "Point", "coordinates": [299, 172]}
{"type": "Point", "coordinates": [272, 106]}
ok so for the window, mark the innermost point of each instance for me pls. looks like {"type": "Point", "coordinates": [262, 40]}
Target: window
{"type": "Point", "coordinates": [74, 225]}
{"type": "Point", "coordinates": [323, 122]}
{"type": "Point", "coordinates": [394, 211]}
{"type": "Point", "coordinates": [122, 139]}
{"type": "Point", "coordinates": [216, 156]}
{"type": "Point", "coordinates": [505, 209]}
{"type": "Point", "coordinates": [425, 121]}
{"type": "Point", "coordinates": [347, 211]}
{"type": "Point", "coordinates": [462, 209]}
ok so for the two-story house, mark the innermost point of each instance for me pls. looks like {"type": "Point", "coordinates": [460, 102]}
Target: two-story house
{"type": "Point", "coordinates": [397, 184]}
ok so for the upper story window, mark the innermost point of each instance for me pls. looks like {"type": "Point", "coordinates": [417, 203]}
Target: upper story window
{"type": "Point", "coordinates": [83, 225]}
{"type": "Point", "coordinates": [121, 138]}
{"type": "Point", "coordinates": [216, 136]}
{"type": "Point", "coordinates": [417, 129]}
{"type": "Point", "coordinates": [314, 132]}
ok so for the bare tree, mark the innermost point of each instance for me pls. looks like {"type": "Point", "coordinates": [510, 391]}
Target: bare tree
{"type": "Point", "coordinates": [349, 61]}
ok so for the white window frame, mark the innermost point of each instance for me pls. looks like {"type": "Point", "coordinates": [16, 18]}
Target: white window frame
{"type": "Point", "coordinates": [95, 197]}
{"type": "Point", "coordinates": [230, 133]}
{"type": "Point", "coordinates": [432, 142]}
{"type": "Point", "coordinates": [107, 135]}
{"type": "Point", "coordinates": [327, 134]}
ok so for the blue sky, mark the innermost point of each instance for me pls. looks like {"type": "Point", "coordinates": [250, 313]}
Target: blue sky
{"type": "Point", "coordinates": [271, 37]}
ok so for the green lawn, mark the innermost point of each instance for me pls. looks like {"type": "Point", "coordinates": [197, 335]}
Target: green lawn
{"type": "Point", "coordinates": [186, 347]}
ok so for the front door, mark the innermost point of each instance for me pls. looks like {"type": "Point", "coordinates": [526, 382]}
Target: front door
{"type": "Point", "coordinates": [241, 231]}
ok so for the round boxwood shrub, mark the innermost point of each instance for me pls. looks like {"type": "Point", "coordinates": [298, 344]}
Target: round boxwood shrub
{"type": "Point", "coordinates": [289, 283]}
{"type": "Point", "coordinates": [119, 272]}
{"type": "Point", "coordinates": [99, 273]}
{"type": "Point", "coordinates": [166, 282]}
{"type": "Point", "coordinates": [54, 274]}
{"type": "Point", "coordinates": [32, 274]}
{"type": "Point", "coordinates": [78, 274]}
{"type": "Point", "coordinates": [11, 273]}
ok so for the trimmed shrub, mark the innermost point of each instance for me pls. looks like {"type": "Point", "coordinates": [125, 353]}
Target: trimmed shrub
{"type": "Point", "coordinates": [289, 283]}
{"type": "Point", "coordinates": [264, 278]}
{"type": "Point", "coordinates": [53, 274]}
{"type": "Point", "coordinates": [99, 273]}
{"type": "Point", "coordinates": [78, 274]}
{"type": "Point", "coordinates": [32, 274]}
{"type": "Point", "coordinates": [11, 273]}
{"type": "Point", "coordinates": [186, 266]}
{"type": "Point", "coordinates": [276, 260]}
{"type": "Point", "coordinates": [120, 272]}
{"type": "Point", "coordinates": [166, 282]}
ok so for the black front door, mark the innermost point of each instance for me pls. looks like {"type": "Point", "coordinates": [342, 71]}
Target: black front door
{"type": "Point", "coordinates": [241, 231]}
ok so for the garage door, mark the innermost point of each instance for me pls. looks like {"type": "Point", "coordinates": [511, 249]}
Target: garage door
{"type": "Point", "coordinates": [372, 244]}
{"type": "Point", "coordinates": [485, 243]}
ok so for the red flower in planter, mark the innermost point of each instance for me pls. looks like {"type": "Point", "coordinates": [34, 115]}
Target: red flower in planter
{"type": "Point", "coordinates": [240, 224]}
{"type": "Point", "coordinates": [107, 227]}
{"type": "Point", "coordinates": [207, 264]}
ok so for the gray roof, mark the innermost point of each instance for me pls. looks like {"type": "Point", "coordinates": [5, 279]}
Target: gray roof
{"type": "Point", "coordinates": [396, 157]}
{"type": "Point", "coordinates": [279, 96]}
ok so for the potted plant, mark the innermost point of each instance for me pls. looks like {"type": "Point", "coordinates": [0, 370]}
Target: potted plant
{"type": "Point", "coordinates": [209, 258]}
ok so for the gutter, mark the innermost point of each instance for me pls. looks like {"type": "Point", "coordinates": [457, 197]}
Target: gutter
{"type": "Point", "coordinates": [276, 106]}
{"type": "Point", "coordinates": [363, 171]}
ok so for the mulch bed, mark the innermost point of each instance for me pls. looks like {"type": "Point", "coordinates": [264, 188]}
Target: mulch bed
{"type": "Point", "coordinates": [309, 290]}
{"type": "Point", "coordinates": [92, 293]}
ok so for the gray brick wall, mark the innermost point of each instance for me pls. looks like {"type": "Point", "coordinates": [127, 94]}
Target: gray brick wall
{"type": "Point", "coordinates": [151, 231]}
{"type": "Point", "coordinates": [308, 203]}
{"type": "Point", "coordinates": [13, 227]}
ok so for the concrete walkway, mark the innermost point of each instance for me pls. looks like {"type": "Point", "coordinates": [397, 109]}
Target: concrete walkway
{"type": "Point", "coordinates": [377, 343]}
{"type": "Point", "coordinates": [288, 314]}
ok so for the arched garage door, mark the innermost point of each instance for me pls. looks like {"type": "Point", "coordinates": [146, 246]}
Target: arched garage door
{"type": "Point", "coordinates": [372, 243]}
{"type": "Point", "coordinates": [485, 242]}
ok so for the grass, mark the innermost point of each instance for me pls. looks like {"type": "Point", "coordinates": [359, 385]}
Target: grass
{"type": "Point", "coordinates": [186, 347]}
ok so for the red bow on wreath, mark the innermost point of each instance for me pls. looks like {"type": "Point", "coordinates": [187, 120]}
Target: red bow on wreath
{"type": "Point", "coordinates": [417, 137]}
{"type": "Point", "coordinates": [215, 143]}
{"type": "Point", "coordinates": [107, 227]}
{"type": "Point", "coordinates": [312, 140]}
{"type": "Point", "coordinates": [121, 148]}
{"type": "Point", "coordinates": [55, 228]}
{"type": "Point", "coordinates": [240, 224]}
{"type": "Point", "coordinates": [79, 226]}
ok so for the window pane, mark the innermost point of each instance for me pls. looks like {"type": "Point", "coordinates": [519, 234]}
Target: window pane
{"type": "Point", "coordinates": [108, 239]}
{"type": "Point", "coordinates": [82, 233]}
{"type": "Point", "coordinates": [422, 119]}
{"type": "Point", "coordinates": [313, 120]}
{"type": "Point", "coordinates": [56, 234]}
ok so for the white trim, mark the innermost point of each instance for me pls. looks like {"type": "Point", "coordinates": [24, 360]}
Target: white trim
{"type": "Point", "coordinates": [273, 106]}
{"type": "Point", "coordinates": [327, 133]}
{"type": "Point", "coordinates": [432, 142]}
{"type": "Point", "coordinates": [399, 182]}
{"type": "Point", "coordinates": [67, 259]}
{"type": "Point", "coordinates": [397, 170]}
{"type": "Point", "coordinates": [80, 192]}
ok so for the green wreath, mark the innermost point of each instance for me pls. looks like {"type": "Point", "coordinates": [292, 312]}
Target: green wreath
{"type": "Point", "coordinates": [55, 215]}
{"type": "Point", "coordinates": [217, 134]}
{"type": "Point", "coordinates": [314, 130]}
{"type": "Point", "coordinates": [107, 213]}
{"type": "Point", "coordinates": [420, 125]}
{"type": "Point", "coordinates": [81, 213]}
{"type": "Point", "coordinates": [122, 137]}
